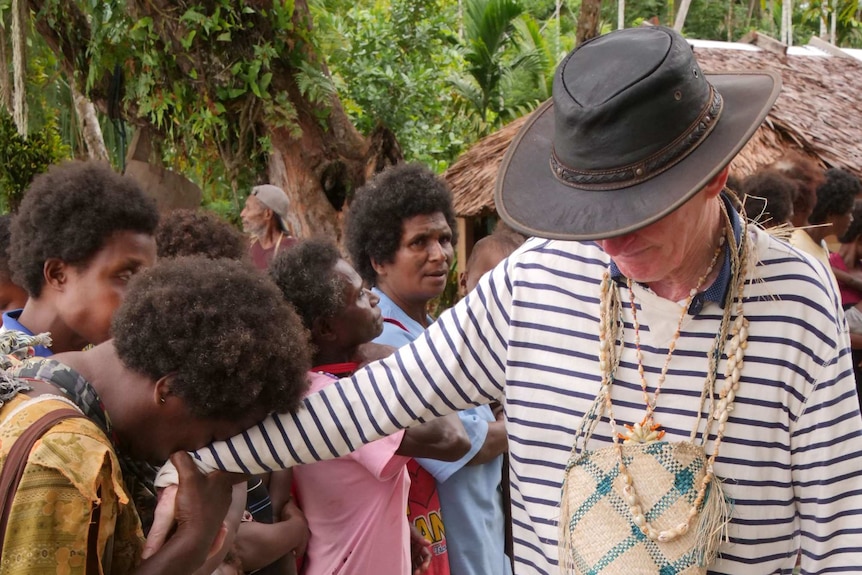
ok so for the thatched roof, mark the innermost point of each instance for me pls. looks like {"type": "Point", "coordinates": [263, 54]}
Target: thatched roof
{"type": "Point", "coordinates": [819, 112]}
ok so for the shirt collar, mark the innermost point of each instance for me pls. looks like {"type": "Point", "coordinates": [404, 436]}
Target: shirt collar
{"type": "Point", "coordinates": [717, 291]}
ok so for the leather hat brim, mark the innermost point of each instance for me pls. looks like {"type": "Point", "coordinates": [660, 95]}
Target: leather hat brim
{"type": "Point", "coordinates": [533, 201]}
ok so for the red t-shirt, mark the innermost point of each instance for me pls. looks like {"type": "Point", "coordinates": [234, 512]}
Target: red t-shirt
{"type": "Point", "coordinates": [261, 257]}
{"type": "Point", "coordinates": [423, 511]}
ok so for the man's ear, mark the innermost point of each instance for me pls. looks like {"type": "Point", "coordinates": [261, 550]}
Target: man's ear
{"type": "Point", "coordinates": [717, 183]}
{"type": "Point", "coordinates": [55, 273]}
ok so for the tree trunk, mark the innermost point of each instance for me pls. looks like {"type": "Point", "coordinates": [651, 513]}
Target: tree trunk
{"type": "Point", "coordinates": [321, 168]}
{"type": "Point", "coordinates": [730, 21]}
{"type": "Point", "coordinates": [681, 15]}
{"type": "Point", "coordinates": [588, 21]}
{"type": "Point", "coordinates": [787, 22]}
{"type": "Point", "coordinates": [5, 86]}
{"type": "Point", "coordinates": [20, 19]}
{"type": "Point", "coordinates": [319, 162]}
{"type": "Point", "coordinates": [89, 125]}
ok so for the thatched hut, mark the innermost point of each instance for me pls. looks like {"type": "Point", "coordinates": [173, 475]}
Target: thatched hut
{"type": "Point", "coordinates": [819, 113]}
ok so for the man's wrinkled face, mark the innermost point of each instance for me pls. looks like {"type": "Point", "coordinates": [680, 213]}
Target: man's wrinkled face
{"type": "Point", "coordinates": [255, 217]}
{"type": "Point", "coordinates": [659, 251]}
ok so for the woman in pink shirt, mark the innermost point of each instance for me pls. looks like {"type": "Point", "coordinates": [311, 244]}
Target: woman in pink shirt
{"type": "Point", "coordinates": [355, 505]}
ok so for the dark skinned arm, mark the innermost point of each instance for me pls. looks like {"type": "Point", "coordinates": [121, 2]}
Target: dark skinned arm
{"type": "Point", "coordinates": [202, 502]}
{"type": "Point", "coordinates": [232, 521]}
{"type": "Point", "coordinates": [260, 544]}
{"type": "Point", "coordinates": [496, 443]}
{"type": "Point", "coordinates": [852, 281]}
{"type": "Point", "coordinates": [443, 438]}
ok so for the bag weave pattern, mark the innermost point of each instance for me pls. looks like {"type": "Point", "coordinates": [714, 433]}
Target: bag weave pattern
{"type": "Point", "coordinates": [603, 539]}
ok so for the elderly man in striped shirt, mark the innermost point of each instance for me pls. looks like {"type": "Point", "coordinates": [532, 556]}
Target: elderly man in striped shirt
{"type": "Point", "coordinates": [677, 384]}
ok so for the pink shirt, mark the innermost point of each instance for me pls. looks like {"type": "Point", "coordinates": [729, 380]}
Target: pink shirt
{"type": "Point", "coordinates": [849, 296]}
{"type": "Point", "coordinates": [356, 507]}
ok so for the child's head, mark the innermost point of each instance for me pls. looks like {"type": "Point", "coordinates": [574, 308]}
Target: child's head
{"type": "Point", "coordinates": [198, 232]}
{"type": "Point", "coordinates": [835, 198]}
{"type": "Point", "coordinates": [218, 343]}
{"type": "Point", "coordinates": [82, 231]}
{"type": "Point", "coordinates": [768, 197]}
{"type": "Point", "coordinates": [486, 254]}
{"type": "Point", "coordinates": [328, 294]}
{"type": "Point", "coordinates": [12, 296]}
{"type": "Point", "coordinates": [807, 175]}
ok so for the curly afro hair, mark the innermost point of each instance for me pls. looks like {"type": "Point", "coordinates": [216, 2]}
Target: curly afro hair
{"type": "Point", "coordinates": [304, 274]}
{"type": "Point", "coordinates": [768, 196]}
{"type": "Point", "coordinates": [855, 228]}
{"type": "Point", "coordinates": [807, 176]}
{"type": "Point", "coordinates": [198, 232]}
{"type": "Point", "coordinates": [222, 328]}
{"type": "Point", "coordinates": [69, 212]}
{"type": "Point", "coordinates": [835, 196]}
{"type": "Point", "coordinates": [375, 220]}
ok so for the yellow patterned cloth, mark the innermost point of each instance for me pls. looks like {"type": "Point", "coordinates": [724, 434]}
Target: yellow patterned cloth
{"type": "Point", "coordinates": [71, 469]}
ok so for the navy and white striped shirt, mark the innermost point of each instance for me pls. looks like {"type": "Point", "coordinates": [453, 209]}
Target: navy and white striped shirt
{"type": "Point", "coordinates": [791, 455]}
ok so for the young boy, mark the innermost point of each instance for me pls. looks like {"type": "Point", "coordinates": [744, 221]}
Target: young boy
{"type": "Point", "coordinates": [81, 233]}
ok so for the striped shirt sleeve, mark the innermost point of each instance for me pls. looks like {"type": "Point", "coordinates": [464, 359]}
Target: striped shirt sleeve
{"type": "Point", "coordinates": [464, 367]}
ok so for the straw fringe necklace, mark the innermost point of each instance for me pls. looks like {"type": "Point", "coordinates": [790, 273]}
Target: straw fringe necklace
{"type": "Point", "coordinates": [703, 525]}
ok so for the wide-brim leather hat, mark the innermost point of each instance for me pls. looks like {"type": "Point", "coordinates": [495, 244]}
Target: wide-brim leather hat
{"type": "Point", "coordinates": [633, 131]}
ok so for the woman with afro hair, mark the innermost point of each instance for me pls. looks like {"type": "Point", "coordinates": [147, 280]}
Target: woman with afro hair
{"type": "Point", "coordinates": [400, 234]}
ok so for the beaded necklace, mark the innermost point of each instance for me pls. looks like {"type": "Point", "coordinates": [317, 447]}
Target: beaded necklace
{"type": "Point", "coordinates": [648, 430]}
{"type": "Point", "coordinates": [610, 332]}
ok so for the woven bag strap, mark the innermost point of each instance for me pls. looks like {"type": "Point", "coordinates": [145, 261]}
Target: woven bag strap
{"type": "Point", "coordinates": [16, 461]}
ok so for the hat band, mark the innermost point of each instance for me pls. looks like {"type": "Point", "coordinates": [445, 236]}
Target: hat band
{"type": "Point", "coordinates": [667, 157]}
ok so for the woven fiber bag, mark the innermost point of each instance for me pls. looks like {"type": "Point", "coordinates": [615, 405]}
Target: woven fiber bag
{"type": "Point", "coordinates": [599, 535]}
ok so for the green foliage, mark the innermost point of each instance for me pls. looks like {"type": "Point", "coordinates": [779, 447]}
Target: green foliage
{"type": "Point", "coordinates": [22, 159]}
{"type": "Point", "coordinates": [210, 90]}
{"type": "Point", "coordinates": [438, 73]}
{"type": "Point", "coordinates": [713, 20]}
{"type": "Point", "coordinates": [389, 61]}
{"type": "Point", "coordinates": [488, 31]}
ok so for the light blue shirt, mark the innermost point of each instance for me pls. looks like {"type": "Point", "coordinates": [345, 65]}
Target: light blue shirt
{"type": "Point", "coordinates": [470, 495]}
{"type": "Point", "coordinates": [11, 323]}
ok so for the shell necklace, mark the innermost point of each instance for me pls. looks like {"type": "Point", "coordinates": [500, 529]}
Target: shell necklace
{"type": "Point", "coordinates": [648, 430]}
{"type": "Point", "coordinates": [610, 333]}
